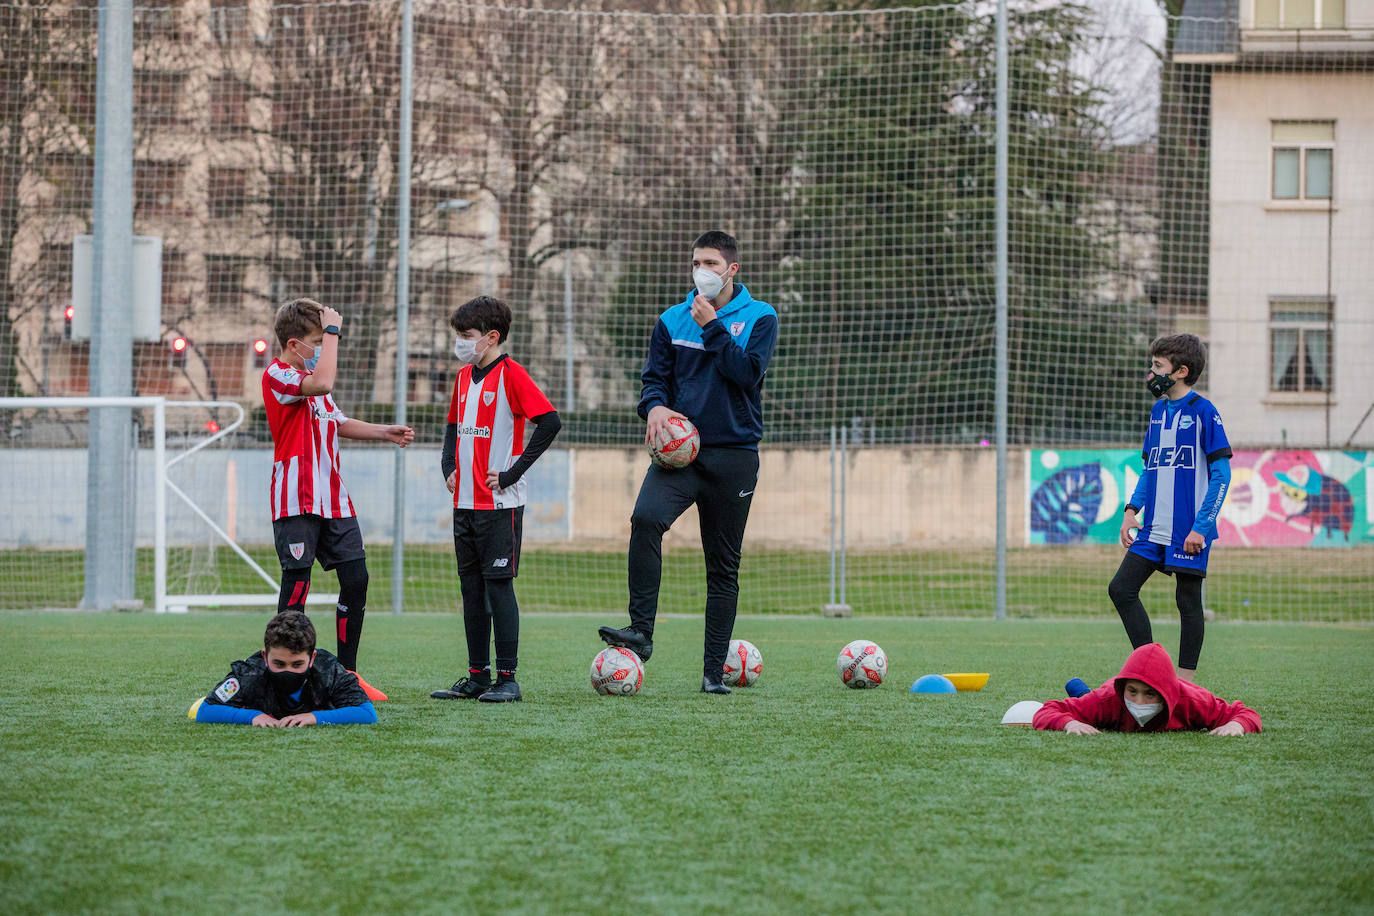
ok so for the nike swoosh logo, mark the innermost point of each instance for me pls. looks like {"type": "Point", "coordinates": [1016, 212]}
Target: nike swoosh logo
{"type": "Point", "coordinates": [743, 494]}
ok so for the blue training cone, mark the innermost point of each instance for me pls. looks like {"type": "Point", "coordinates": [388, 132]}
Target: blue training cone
{"type": "Point", "coordinates": [933, 683]}
{"type": "Point", "coordinates": [1076, 688]}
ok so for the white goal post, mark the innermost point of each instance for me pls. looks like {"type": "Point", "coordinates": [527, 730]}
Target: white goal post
{"type": "Point", "coordinates": [163, 484]}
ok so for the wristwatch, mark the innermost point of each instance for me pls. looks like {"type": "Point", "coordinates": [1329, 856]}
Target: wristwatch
{"type": "Point", "coordinates": [332, 329]}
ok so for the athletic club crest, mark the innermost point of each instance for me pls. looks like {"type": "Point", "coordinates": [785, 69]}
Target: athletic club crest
{"type": "Point", "coordinates": [736, 327]}
{"type": "Point", "coordinates": [298, 550]}
{"type": "Point", "coordinates": [488, 397]}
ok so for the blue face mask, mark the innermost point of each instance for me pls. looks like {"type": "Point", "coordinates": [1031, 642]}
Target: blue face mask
{"type": "Point", "coordinates": [311, 361]}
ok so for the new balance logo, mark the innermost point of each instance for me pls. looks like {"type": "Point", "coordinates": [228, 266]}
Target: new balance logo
{"type": "Point", "coordinates": [501, 563]}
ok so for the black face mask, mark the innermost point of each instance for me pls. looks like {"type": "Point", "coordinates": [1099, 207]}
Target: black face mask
{"type": "Point", "coordinates": [286, 683]}
{"type": "Point", "coordinates": [1158, 384]}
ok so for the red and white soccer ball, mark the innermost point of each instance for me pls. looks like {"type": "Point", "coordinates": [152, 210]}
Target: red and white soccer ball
{"type": "Point", "coordinates": [617, 672]}
{"type": "Point", "coordinates": [743, 664]}
{"type": "Point", "coordinates": [682, 446]}
{"type": "Point", "coordinates": [862, 664]}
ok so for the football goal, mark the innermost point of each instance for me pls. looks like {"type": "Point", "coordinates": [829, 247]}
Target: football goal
{"type": "Point", "coordinates": [182, 506]}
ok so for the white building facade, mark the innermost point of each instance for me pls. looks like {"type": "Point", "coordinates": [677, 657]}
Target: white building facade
{"type": "Point", "coordinates": [1291, 272]}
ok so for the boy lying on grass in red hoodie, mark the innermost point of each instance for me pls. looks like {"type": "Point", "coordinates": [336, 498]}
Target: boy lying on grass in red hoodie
{"type": "Point", "coordinates": [1147, 696]}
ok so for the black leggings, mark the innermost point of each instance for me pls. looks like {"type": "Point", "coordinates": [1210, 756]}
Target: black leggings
{"type": "Point", "coordinates": [1125, 594]}
{"type": "Point", "coordinates": [721, 483]}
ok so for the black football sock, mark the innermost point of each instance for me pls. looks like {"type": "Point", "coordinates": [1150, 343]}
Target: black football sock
{"type": "Point", "coordinates": [348, 615]}
{"type": "Point", "coordinates": [295, 587]}
{"type": "Point", "coordinates": [476, 621]}
{"type": "Point", "coordinates": [505, 619]}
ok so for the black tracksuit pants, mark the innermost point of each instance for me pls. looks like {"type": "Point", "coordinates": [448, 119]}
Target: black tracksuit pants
{"type": "Point", "coordinates": [721, 483]}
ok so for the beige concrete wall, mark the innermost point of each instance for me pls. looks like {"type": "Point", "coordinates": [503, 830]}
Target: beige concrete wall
{"type": "Point", "coordinates": [896, 497]}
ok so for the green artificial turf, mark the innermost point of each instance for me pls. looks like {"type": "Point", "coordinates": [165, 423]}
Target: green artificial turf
{"type": "Point", "coordinates": [794, 796]}
{"type": "Point", "coordinates": [1254, 584]}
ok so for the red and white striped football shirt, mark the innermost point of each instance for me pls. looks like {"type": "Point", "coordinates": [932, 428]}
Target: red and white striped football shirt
{"type": "Point", "coordinates": [305, 447]}
{"type": "Point", "coordinates": [490, 415]}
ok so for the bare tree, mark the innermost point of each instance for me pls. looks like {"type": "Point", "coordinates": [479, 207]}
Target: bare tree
{"type": "Point", "coordinates": [23, 31]}
{"type": "Point", "coordinates": [545, 92]}
{"type": "Point", "coordinates": [47, 125]}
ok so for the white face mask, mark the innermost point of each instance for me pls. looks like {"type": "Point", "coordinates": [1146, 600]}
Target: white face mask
{"type": "Point", "coordinates": [1143, 712]}
{"type": "Point", "coordinates": [466, 350]}
{"type": "Point", "coordinates": [709, 283]}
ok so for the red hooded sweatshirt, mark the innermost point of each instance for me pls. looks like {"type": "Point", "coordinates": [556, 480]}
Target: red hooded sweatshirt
{"type": "Point", "coordinates": [1186, 706]}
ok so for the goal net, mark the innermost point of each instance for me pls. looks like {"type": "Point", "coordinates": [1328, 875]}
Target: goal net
{"type": "Point", "coordinates": [1202, 174]}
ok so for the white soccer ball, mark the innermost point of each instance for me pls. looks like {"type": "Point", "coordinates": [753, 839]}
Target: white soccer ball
{"type": "Point", "coordinates": [862, 664]}
{"type": "Point", "coordinates": [681, 447]}
{"type": "Point", "coordinates": [743, 663]}
{"type": "Point", "coordinates": [617, 672]}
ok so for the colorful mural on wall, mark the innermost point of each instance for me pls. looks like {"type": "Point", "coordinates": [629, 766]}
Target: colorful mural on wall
{"type": "Point", "coordinates": [1278, 497]}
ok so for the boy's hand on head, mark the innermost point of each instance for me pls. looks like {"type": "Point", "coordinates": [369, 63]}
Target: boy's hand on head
{"type": "Point", "coordinates": [299, 719]}
{"type": "Point", "coordinates": [263, 720]}
{"type": "Point", "coordinates": [452, 481]}
{"type": "Point", "coordinates": [658, 430]}
{"type": "Point", "coordinates": [401, 435]}
{"type": "Point", "coordinates": [1080, 728]}
{"type": "Point", "coordinates": [703, 311]}
{"type": "Point", "coordinates": [1230, 730]}
{"type": "Point", "coordinates": [329, 316]}
{"type": "Point", "coordinates": [1193, 543]}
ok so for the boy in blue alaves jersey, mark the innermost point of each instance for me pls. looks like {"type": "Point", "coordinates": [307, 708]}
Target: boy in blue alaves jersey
{"type": "Point", "coordinates": [707, 359]}
{"type": "Point", "coordinates": [1179, 496]}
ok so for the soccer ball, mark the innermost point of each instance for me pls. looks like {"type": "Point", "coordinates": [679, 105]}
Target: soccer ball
{"type": "Point", "coordinates": [743, 663]}
{"type": "Point", "coordinates": [862, 664]}
{"type": "Point", "coordinates": [681, 447]}
{"type": "Point", "coordinates": [617, 672]}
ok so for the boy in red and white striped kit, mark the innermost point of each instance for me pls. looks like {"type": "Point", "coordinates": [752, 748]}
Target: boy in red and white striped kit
{"type": "Point", "coordinates": [484, 462]}
{"type": "Point", "coordinates": [312, 513]}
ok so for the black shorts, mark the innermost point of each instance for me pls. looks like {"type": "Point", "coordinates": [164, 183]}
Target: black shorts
{"type": "Point", "coordinates": [487, 541]}
{"type": "Point", "coordinates": [302, 539]}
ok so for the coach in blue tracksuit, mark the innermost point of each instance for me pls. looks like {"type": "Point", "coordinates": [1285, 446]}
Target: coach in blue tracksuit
{"type": "Point", "coordinates": [707, 360]}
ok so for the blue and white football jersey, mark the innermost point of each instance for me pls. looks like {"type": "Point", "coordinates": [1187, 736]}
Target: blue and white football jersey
{"type": "Point", "coordinates": [1179, 446]}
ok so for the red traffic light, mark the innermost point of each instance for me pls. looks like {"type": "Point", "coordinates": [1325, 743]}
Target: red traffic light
{"type": "Point", "coordinates": [212, 426]}
{"type": "Point", "coordinates": [70, 313]}
{"type": "Point", "coordinates": [260, 346]}
{"type": "Point", "coordinates": [178, 344]}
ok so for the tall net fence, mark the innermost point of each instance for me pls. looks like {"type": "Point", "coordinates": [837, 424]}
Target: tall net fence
{"type": "Point", "coordinates": [1200, 173]}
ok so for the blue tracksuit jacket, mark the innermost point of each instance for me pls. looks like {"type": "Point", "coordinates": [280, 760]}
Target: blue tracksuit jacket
{"type": "Point", "coordinates": [714, 375]}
